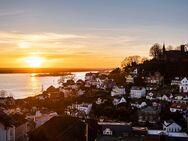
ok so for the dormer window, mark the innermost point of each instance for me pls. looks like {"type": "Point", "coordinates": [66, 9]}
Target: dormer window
{"type": "Point", "coordinates": [107, 131]}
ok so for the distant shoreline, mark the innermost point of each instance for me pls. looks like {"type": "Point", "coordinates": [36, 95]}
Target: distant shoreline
{"type": "Point", "coordinates": [48, 70]}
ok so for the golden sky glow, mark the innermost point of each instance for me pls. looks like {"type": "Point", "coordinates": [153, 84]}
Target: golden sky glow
{"type": "Point", "coordinates": [59, 50]}
{"type": "Point", "coordinates": [68, 50]}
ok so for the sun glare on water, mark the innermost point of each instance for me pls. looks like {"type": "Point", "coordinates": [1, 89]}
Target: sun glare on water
{"type": "Point", "coordinates": [34, 61]}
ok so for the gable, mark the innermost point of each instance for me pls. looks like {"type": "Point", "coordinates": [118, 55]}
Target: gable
{"type": "Point", "coordinates": [184, 81]}
{"type": "Point", "coordinates": [174, 125]}
{"type": "Point", "coordinates": [107, 131]}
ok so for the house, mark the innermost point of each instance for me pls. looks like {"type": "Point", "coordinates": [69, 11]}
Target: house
{"type": "Point", "coordinates": [174, 55]}
{"type": "Point", "coordinates": [137, 105]}
{"type": "Point", "coordinates": [115, 128]}
{"type": "Point", "coordinates": [102, 80]}
{"type": "Point", "coordinates": [40, 118]}
{"type": "Point", "coordinates": [163, 97]}
{"type": "Point", "coordinates": [91, 83]}
{"type": "Point", "coordinates": [182, 83]}
{"type": "Point", "coordinates": [129, 79]}
{"type": "Point", "coordinates": [155, 79]}
{"type": "Point", "coordinates": [134, 72]}
{"type": "Point", "coordinates": [183, 86]}
{"type": "Point", "coordinates": [171, 126]}
{"type": "Point", "coordinates": [178, 106]}
{"type": "Point", "coordinates": [149, 114]}
{"type": "Point", "coordinates": [176, 81]}
{"type": "Point", "coordinates": [137, 92]}
{"type": "Point", "coordinates": [100, 101]}
{"type": "Point", "coordinates": [117, 101]}
{"type": "Point", "coordinates": [60, 128]}
{"type": "Point", "coordinates": [80, 82]}
{"type": "Point", "coordinates": [84, 107]}
{"type": "Point", "coordinates": [101, 83]}
{"type": "Point", "coordinates": [90, 76]}
{"type": "Point", "coordinates": [67, 92]}
{"type": "Point", "coordinates": [7, 101]}
{"type": "Point", "coordinates": [7, 127]}
{"type": "Point", "coordinates": [150, 96]}
{"type": "Point", "coordinates": [162, 135]}
{"type": "Point", "coordinates": [21, 127]}
{"type": "Point", "coordinates": [118, 91]}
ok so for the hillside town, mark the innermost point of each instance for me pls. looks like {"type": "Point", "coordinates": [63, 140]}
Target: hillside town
{"type": "Point", "coordinates": [121, 104]}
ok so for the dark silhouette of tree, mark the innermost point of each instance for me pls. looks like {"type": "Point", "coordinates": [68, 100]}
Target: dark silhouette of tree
{"type": "Point", "coordinates": [118, 76]}
{"type": "Point", "coordinates": [131, 60]}
{"type": "Point", "coordinates": [155, 51]}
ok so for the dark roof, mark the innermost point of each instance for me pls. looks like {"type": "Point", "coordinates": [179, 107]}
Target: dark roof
{"type": "Point", "coordinates": [117, 129]}
{"type": "Point", "coordinates": [6, 120]}
{"type": "Point", "coordinates": [51, 89]}
{"type": "Point", "coordinates": [19, 119]}
{"type": "Point", "coordinates": [60, 128]}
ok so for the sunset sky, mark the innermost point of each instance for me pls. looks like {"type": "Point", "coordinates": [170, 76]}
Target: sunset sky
{"type": "Point", "coordinates": [87, 33]}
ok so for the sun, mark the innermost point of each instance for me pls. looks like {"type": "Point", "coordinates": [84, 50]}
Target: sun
{"type": "Point", "coordinates": [34, 61]}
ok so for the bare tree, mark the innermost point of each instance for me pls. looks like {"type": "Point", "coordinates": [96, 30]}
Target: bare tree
{"type": "Point", "coordinates": [155, 51]}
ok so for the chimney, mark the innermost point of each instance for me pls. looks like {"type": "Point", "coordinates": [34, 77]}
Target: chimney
{"type": "Point", "coordinates": [182, 48]}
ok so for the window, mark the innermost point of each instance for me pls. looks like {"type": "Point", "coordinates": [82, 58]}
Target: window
{"type": "Point", "coordinates": [107, 131]}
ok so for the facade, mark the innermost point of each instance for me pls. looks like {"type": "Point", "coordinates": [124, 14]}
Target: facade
{"type": "Point", "coordinates": [115, 128]}
{"type": "Point", "coordinates": [180, 55]}
{"type": "Point", "coordinates": [171, 126]}
{"type": "Point", "coordinates": [40, 118]}
{"type": "Point", "coordinates": [7, 128]}
{"type": "Point", "coordinates": [156, 79]}
{"type": "Point", "coordinates": [67, 92]}
{"type": "Point", "coordinates": [182, 83]}
{"type": "Point", "coordinates": [118, 91]}
{"type": "Point", "coordinates": [183, 86]}
{"type": "Point", "coordinates": [137, 92]}
{"type": "Point", "coordinates": [85, 108]}
{"type": "Point", "coordinates": [149, 114]}
{"type": "Point", "coordinates": [178, 107]}
{"type": "Point", "coordinates": [129, 79]}
{"type": "Point", "coordinates": [119, 101]}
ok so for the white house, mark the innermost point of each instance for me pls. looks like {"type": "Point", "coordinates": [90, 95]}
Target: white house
{"type": "Point", "coordinates": [171, 126]}
{"type": "Point", "coordinates": [7, 128]}
{"type": "Point", "coordinates": [182, 83]}
{"type": "Point", "coordinates": [107, 131]}
{"type": "Point", "coordinates": [119, 101]}
{"type": "Point", "coordinates": [183, 86]}
{"type": "Point", "coordinates": [137, 92]}
{"type": "Point", "coordinates": [118, 91]}
{"type": "Point", "coordinates": [86, 108]}
{"type": "Point", "coordinates": [101, 82]}
{"type": "Point", "coordinates": [163, 97]}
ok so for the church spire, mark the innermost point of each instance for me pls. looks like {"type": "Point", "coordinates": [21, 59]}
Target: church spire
{"type": "Point", "coordinates": [164, 49]}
